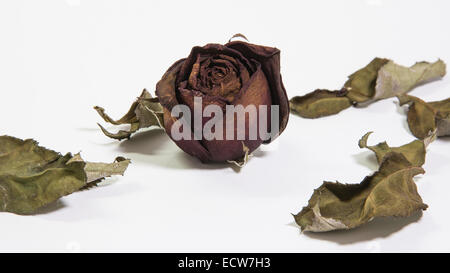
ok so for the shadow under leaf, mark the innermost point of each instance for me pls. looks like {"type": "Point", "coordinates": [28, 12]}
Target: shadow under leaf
{"type": "Point", "coordinates": [368, 159]}
{"type": "Point", "coordinates": [381, 227]}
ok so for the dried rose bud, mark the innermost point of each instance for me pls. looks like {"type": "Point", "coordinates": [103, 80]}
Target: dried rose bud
{"type": "Point", "coordinates": [237, 73]}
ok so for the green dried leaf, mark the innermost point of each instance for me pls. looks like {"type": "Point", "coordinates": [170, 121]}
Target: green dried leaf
{"type": "Point", "coordinates": [425, 119]}
{"type": "Point", "coordinates": [414, 151]}
{"type": "Point", "coordinates": [382, 79]}
{"type": "Point", "coordinates": [144, 112]}
{"type": "Point", "coordinates": [320, 103]}
{"type": "Point", "coordinates": [390, 191]}
{"type": "Point", "coordinates": [32, 176]}
{"type": "Point", "coordinates": [361, 84]}
{"type": "Point", "coordinates": [242, 161]}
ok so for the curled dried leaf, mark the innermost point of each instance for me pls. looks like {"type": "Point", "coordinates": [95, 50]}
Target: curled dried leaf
{"type": "Point", "coordinates": [427, 118]}
{"type": "Point", "coordinates": [382, 78]}
{"type": "Point", "coordinates": [442, 116]}
{"type": "Point", "coordinates": [242, 161]}
{"type": "Point", "coordinates": [32, 176]}
{"type": "Point", "coordinates": [146, 111]}
{"type": "Point", "coordinates": [320, 103]}
{"type": "Point", "coordinates": [414, 151]}
{"type": "Point", "coordinates": [238, 35]}
{"type": "Point", "coordinates": [97, 171]}
{"type": "Point", "coordinates": [390, 191]}
{"type": "Point", "coordinates": [361, 84]}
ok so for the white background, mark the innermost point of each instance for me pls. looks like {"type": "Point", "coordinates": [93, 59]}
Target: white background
{"type": "Point", "coordinates": [60, 58]}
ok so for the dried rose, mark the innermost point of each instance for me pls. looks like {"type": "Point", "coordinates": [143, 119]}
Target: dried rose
{"type": "Point", "coordinates": [237, 73]}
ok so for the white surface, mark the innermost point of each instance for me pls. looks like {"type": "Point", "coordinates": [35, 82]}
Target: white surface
{"type": "Point", "coordinates": [60, 58]}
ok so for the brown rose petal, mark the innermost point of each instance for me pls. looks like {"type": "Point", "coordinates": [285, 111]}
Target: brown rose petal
{"type": "Point", "coordinates": [218, 75]}
{"type": "Point", "coordinates": [269, 58]}
{"type": "Point", "coordinates": [219, 81]}
{"type": "Point", "coordinates": [166, 87]}
{"type": "Point", "coordinates": [165, 90]}
{"type": "Point", "coordinates": [243, 72]}
{"type": "Point", "coordinates": [211, 49]}
{"type": "Point", "coordinates": [255, 92]}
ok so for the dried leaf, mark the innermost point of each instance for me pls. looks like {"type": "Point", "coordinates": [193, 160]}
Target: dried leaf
{"type": "Point", "coordinates": [442, 116]}
{"type": "Point", "coordinates": [425, 119]}
{"type": "Point", "coordinates": [32, 176]}
{"type": "Point", "coordinates": [390, 191]}
{"type": "Point", "coordinates": [443, 125]}
{"type": "Point", "coordinates": [382, 78]}
{"type": "Point", "coordinates": [144, 112]}
{"type": "Point", "coordinates": [97, 171]}
{"type": "Point", "coordinates": [361, 84]}
{"type": "Point", "coordinates": [242, 161]}
{"type": "Point", "coordinates": [238, 35]}
{"type": "Point", "coordinates": [414, 151]}
{"type": "Point", "coordinates": [320, 103]}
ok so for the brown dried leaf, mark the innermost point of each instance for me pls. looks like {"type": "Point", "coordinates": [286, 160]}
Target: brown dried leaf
{"type": "Point", "coordinates": [238, 35]}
